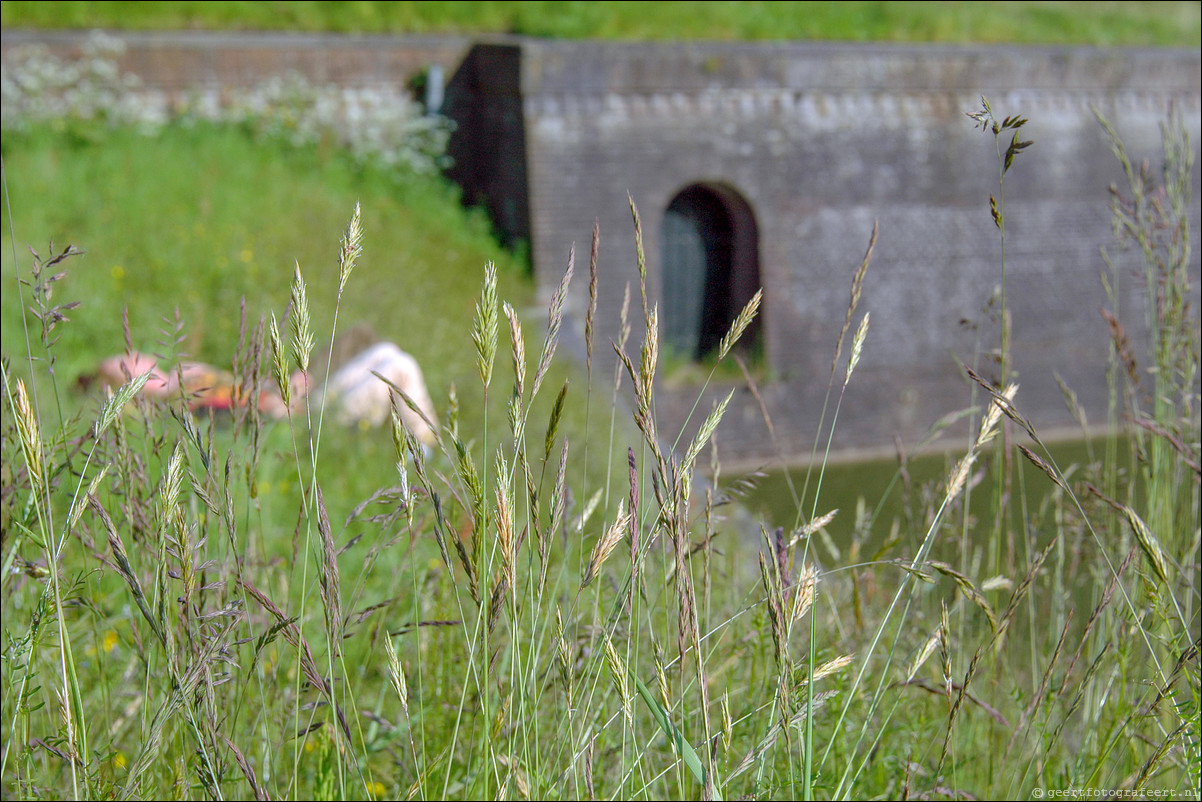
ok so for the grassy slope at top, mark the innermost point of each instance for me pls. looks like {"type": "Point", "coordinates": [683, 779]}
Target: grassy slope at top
{"type": "Point", "coordinates": [1158, 24]}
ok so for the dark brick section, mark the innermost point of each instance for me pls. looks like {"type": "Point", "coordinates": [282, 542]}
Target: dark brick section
{"type": "Point", "coordinates": [818, 141]}
{"type": "Point", "coordinates": [489, 143]}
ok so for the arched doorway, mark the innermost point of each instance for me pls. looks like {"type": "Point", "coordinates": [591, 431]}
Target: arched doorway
{"type": "Point", "coordinates": [710, 268]}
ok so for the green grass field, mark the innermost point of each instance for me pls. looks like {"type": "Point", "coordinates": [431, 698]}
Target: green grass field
{"type": "Point", "coordinates": [1150, 24]}
{"type": "Point", "coordinates": [232, 607]}
{"type": "Point", "coordinates": [220, 232]}
{"type": "Point", "coordinates": [235, 608]}
{"type": "Point", "coordinates": [218, 217]}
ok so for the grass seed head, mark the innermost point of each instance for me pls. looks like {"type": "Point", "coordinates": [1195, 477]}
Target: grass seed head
{"type": "Point", "coordinates": [857, 345]}
{"type": "Point", "coordinates": [924, 654]}
{"type": "Point", "coordinates": [559, 500]}
{"type": "Point", "coordinates": [553, 422]}
{"type": "Point", "coordinates": [518, 349]}
{"type": "Point", "coordinates": [505, 536]}
{"type": "Point", "coordinates": [813, 526]}
{"type": "Point", "coordinates": [396, 673]}
{"type": "Point", "coordinates": [742, 321]}
{"type": "Point", "coordinates": [831, 666]}
{"type": "Point", "coordinates": [330, 585]}
{"type": "Point", "coordinates": [115, 403]}
{"type": "Point", "coordinates": [617, 672]}
{"type": "Point", "coordinates": [807, 584]}
{"type": "Point", "coordinates": [562, 656]}
{"type": "Point", "coordinates": [302, 326]}
{"type": "Point", "coordinates": [31, 438]}
{"type": "Point", "coordinates": [279, 363]}
{"type": "Point", "coordinates": [172, 482]}
{"type": "Point", "coordinates": [554, 321]}
{"type": "Point", "coordinates": [704, 434]}
{"type": "Point", "coordinates": [642, 259]}
{"type": "Point", "coordinates": [857, 287]}
{"type": "Point", "coordinates": [484, 328]}
{"type": "Point", "coordinates": [351, 250]}
{"type": "Point", "coordinates": [592, 296]}
{"type": "Point", "coordinates": [605, 546]}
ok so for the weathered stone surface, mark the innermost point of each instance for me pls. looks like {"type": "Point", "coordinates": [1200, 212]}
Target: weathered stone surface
{"type": "Point", "coordinates": [820, 140]}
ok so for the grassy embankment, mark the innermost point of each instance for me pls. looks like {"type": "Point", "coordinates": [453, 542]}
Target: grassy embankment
{"type": "Point", "coordinates": [1155, 24]}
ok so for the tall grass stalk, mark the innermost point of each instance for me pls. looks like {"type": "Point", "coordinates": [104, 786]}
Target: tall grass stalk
{"type": "Point", "coordinates": [32, 450]}
{"type": "Point", "coordinates": [988, 122]}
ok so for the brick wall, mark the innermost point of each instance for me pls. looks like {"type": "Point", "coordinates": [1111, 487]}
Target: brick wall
{"type": "Point", "coordinates": [823, 140]}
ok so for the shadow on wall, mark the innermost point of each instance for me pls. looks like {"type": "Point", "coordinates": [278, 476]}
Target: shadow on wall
{"type": "Point", "coordinates": [488, 146]}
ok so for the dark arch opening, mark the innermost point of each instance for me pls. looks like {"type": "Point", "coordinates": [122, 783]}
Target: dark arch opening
{"type": "Point", "coordinates": [710, 268]}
